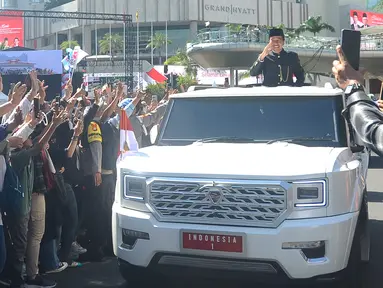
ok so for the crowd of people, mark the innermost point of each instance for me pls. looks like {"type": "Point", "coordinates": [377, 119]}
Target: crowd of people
{"type": "Point", "coordinates": [57, 176]}
{"type": "Point", "coordinates": [58, 162]}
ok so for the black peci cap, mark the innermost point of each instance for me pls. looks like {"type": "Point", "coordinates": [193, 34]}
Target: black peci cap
{"type": "Point", "coordinates": [276, 32]}
{"type": "Point", "coordinates": [364, 15]}
{"type": "Point", "coordinates": [355, 13]}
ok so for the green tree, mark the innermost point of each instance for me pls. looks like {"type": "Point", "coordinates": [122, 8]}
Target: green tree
{"type": "Point", "coordinates": [186, 81]}
{"type": "Point", "coordinates": [114, 41]}
{"type": "Point", "coordinates": [378, 7]}
{"type": "Point", "coordinates": [68, 44]}
{"type": "Point", "coordinates": [155, 89]}
{"type": "Point", "coordinates": [314, 25]}
{"type": "Point", "coordinates": [182, 59]}
{"type": "Point", "coordinates": [157, 43]}
{"type": "Point", "coordinates": [234, 28]}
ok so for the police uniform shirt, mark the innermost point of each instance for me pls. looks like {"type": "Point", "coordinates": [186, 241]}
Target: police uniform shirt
{"type": "Point", "coordinates": [94, 132]}
{"type": "Point", "coordinates": [279, 69]}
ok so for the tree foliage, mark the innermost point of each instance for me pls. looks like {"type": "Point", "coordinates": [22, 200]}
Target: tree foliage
{"type": "Point", "coordinates": [114, 41]}
{"type": "Point", "coordinates": [186, 81]}
{"type": "Point", "coordinates": [314, 25]}
{"type": "Point", "coordinates": [158, 42]}
{"type": "Point", "coordinates": [378, 7]}
{"type": "Point", "coordinates": [234, 28]}
{"type": "Point", "coordinates": [182, 59]}
{"type": "Point", "coordinates": [156, 89]}
{"type": "Point", "coordinates": [69, 44]}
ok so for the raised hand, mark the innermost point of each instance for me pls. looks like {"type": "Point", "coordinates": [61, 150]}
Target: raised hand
{"type": "Point", "coordinates": [78, 129]}
{"type": "Point", "coordinates": [59, 116]}
{"type": "Point", "coordinates": [68, 89]}
{"type": "Point", "coordinates": [34, 81]}
{"type": "Point", "coordinates": [71, 103]}
{"type": "Point", "coordinates": [18, 120]}
{"type": "Point", "coordinates": [15, 142]}
{"type": "Point", "coordinates": [120, 89]}
{"type": "Point", "coordinates": [35, 120]}
{"type": "Point", "coordinates": [42, 89]}
{"type": "Point", "coordinates": [18, 93]}
{"type": "Point", "coordinates": [266, 50]}
{"type": "Point", "coordinates": [97, 96]}
{"type": "Point", "coordinates": [344, 74]}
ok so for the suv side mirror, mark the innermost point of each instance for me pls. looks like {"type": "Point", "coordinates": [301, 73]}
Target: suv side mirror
{"type": "Point", "coordinates": [153, 134]}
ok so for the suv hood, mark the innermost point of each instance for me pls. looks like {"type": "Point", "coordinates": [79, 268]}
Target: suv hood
{"type": "Point", "coordinates": [240, 160]}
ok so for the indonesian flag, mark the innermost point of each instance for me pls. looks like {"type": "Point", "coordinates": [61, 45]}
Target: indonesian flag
{"type": "Point", "coordinates": [128, 142]}
{"type": "Point", "coordinates": [152, 73]}
{"type": "Point", "coordinates": [78, 55]}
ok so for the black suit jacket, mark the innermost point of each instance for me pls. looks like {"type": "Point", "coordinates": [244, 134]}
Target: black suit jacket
{"type": "Point", "coordinates": [279, 69]}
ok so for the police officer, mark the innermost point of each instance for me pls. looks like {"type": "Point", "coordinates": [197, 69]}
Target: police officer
{"type": "Point", "coordinates": [277, 65]}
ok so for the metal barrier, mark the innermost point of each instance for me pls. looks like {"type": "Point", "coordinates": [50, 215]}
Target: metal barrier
{"type": "Point", "coordinates": [206, 36]}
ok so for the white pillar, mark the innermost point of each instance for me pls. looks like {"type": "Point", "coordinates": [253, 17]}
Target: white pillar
{"type": "Point", "coordinates": [193, 30]}
{"type": "Point", "coordinates": [231, 77]}
{"type": "Point", "coordinates": [87, 39]}
{"type": "Point", "coordinates": [96, 38]}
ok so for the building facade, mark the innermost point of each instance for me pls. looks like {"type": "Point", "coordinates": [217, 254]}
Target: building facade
{"type": "Point", "coordinates": [181, 19]}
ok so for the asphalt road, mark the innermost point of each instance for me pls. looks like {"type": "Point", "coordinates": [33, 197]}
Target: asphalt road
{"type": "Point", "coordinates": [106, 275]}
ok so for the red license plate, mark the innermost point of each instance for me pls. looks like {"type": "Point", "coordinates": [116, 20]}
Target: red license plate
{"type": "Point", "coordinates": [212, 242]}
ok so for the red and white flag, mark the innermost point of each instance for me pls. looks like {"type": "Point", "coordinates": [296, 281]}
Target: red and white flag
{"type": "Point", "coordinates": [151, 73]}
{"type": "Point", "coordinates": [128, 141]}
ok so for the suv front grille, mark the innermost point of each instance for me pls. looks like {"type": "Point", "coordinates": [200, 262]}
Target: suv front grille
{"type": "Point", "coordinates": [242, 203]}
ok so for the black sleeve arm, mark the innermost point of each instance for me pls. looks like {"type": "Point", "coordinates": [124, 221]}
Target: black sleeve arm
{"type": "Point", "coordinates": [257, 68]}
{"type": "Point", "coordinates": [367, 121]}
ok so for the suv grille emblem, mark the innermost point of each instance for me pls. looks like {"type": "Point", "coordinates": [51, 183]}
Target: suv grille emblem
{"type": "Point", "coordinates": [214, 194]}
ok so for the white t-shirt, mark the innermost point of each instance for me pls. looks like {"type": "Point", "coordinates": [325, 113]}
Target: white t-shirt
{"type": "Point", "coordinates": [25, 106]}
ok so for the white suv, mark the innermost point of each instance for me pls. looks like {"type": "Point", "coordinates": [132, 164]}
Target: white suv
{"type": "Point", "coordinates": [257, 181]}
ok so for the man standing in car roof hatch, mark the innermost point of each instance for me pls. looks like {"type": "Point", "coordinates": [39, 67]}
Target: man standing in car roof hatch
{"type": "Point", "coordinates": [277, 65]}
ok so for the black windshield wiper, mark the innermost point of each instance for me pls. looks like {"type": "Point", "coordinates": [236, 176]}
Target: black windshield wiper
{"type": "Point", "coordinates": [300, 139]}
{"type": "Point", "coordinates": [226, 139]}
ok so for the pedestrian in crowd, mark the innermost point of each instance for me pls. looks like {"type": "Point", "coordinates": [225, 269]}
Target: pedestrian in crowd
{"type": "Point", "coordinates": [63, 155]}
{"type": "Point", "coordinates": [277, 65]}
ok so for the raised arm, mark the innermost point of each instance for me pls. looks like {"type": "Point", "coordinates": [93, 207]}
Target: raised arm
{"type": "Point", "coordinates": [259, 65]}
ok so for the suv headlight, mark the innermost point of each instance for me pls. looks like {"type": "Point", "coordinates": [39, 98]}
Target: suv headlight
{"type": "Point", "coordinates": [134, 188]}
{"type": "Point", "coordinates": [310, 193]}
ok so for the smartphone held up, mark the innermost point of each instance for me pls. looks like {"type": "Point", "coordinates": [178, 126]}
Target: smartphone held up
{"type": "Point", "coordinates": [350, 43]}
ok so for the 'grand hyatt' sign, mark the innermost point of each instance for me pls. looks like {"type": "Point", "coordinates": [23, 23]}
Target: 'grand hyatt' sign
{"type": "Point", "coordinates": [230, 9]}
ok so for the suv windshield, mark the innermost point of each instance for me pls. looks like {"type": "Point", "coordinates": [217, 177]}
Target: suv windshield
{"type": "Point", "coordinates": [317, 121]}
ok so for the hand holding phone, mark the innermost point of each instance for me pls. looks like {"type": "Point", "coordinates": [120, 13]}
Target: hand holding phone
{"type": "Point", "coordinates": [58, 100]}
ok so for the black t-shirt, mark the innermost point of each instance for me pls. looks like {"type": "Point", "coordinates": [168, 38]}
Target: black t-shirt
{"type": "Point", "coordinates": [110, 146]}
